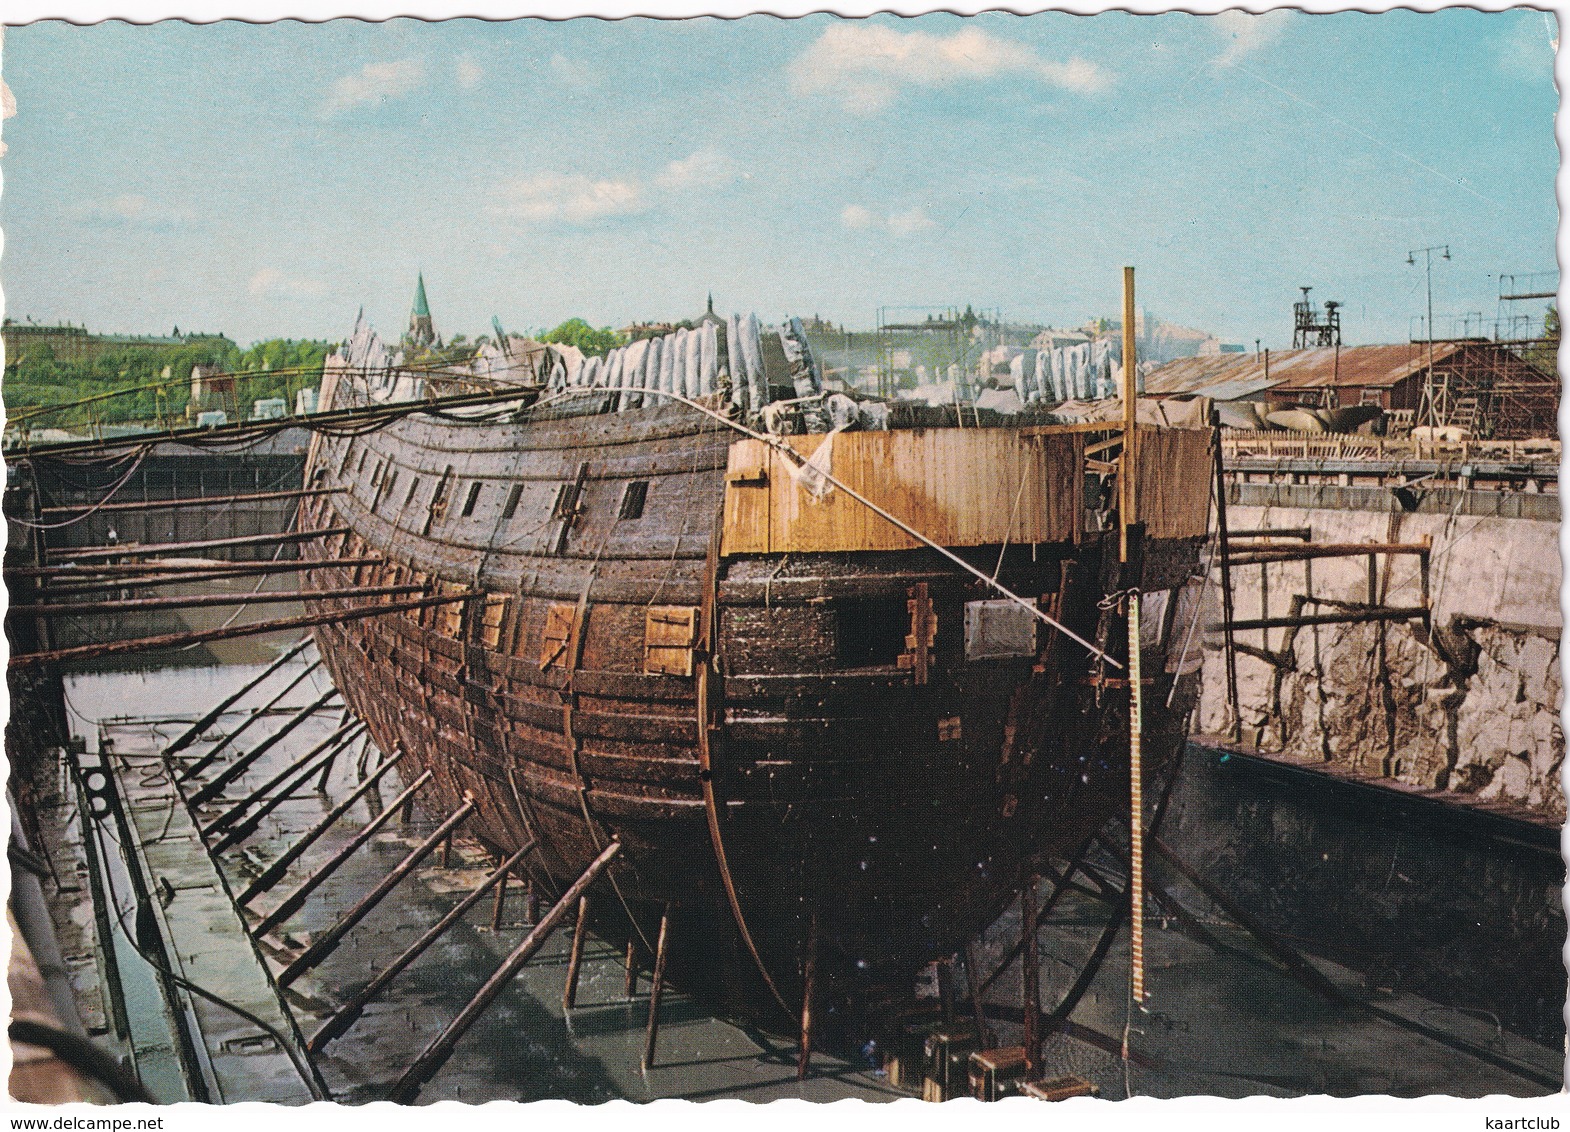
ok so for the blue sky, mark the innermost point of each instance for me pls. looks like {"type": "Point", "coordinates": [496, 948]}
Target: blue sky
{"type": "Point", "coordinates": [268, 180]}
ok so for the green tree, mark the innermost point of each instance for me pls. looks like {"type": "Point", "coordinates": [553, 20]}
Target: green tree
{"type": "Point", "coordinates": [577, 332]}
{"type": "Point", "coordinates": [1544, 354]}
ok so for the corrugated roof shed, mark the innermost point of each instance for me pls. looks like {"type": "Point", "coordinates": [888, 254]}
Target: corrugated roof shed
{"type": "Point", "coordinates": [1360, 367]}
{"type": "Point", "coordinates": [1224, 377]}
{"type": "Point", "coordinates": [1241, 377]}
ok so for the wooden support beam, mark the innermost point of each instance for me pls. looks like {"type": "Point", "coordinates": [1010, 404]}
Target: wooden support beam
{"type": "Point", "coordinates": [189, 501]}
{"type": "Point", "coordinates": [279, 868]}
{"type": "Point", "coordinates": [346, 1015]}
{"type": "Point", "coordinates": [1059, 886]}
{"type": "Point", "coordinates": [1255, 553]}
{"type": "Point", "coordinates": [1228, 606]}
{"type": "Point", "coordinates": [656, 990]}
{"type": "Point", "coordinates": [232, 814]}
{"type": "Point", "coordinates": [1030, 979]}
{"type": "Point", "coordinates": [211, 756]}
{"type": "Point", "coordinates": [201, 601]}
{"type": "Point", "coordinates": [1351, 617]}
{"type": "Point", "coordinates": [327, 767]}
{"type": "Point", "coordinates": [630, 984]}
{"type": "Point", "coordinates": [244, 829]}
{"type": "Point", "coordinates": [809, 979]}
{"type": "Point", "coordinates": [195, 730]}
{"type": "Point", "coordinates": [436, 1054]}
{"type": "Point", "coordinates": [499, 905]}
{"type": "Point", "coordinates": [292, 903]}
{"type": "Point", "coordinates": [107, 571]}
{"type": "Point", "coordinates": [204, 636]}
{"type": "Point", "coordinates": [177, 575]}
{"type": "Point", "coordinates": [1327, 549]}
{"type": "Point", "coordinates": [325, 944]}
{"type": "Point", "coordinates": [142, 550]}
{"type": "Point", "coordinates": [234, 770]}
{"type": "Point", "coordinates": [580, 931]}
{"type": "Point", "coordinates": [1303, 533]}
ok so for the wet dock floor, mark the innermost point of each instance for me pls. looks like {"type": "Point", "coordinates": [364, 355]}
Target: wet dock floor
{"type": "Point", "coordinates": [1221, 1021]}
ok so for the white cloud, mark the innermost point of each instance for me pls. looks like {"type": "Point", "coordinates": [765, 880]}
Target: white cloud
{"type": "Point", "coordinates": [571, 73]}
{"type": "Point", "coordinates": [126, 208]}
{"type": "Point", "coordinates": [1527, 50]}
{"type": "Point", "coordinates": [572, 197]}
{"type": "Point", "coordinates": [906, 223]}
{"type": "Point", "coordinates": [909, 222]}
{"type": "Point", "coordinates": [704, 169]}
{"type": "Point", "coordinates": [866, 65]}
{"type": "Point", "coordinates": [1247, 35]}
{"type": "Point", "coordinates": [374, 82]}
{"type": "Point", "coordinates": [271, 283]}
{"type": "Point", "coordinates": [469, 73]}
{"type": "Point", "coordinates": [576, 198]}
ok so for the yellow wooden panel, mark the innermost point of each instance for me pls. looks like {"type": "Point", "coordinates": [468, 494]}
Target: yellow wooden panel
{"type": "Point", "coordinates": [556, 643]}
{"type": "Point", "coordinates": [669, 634]}
{"type": "Point", "coordinates": [958, 487]}
{"type": "Point", "coordinates": [1175, 474]}
{"type": "Point", "coordinates": [494, 613]}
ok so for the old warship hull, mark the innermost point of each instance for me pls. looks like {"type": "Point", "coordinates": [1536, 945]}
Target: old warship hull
{"type": "Point", "coordinates": [676, 652]}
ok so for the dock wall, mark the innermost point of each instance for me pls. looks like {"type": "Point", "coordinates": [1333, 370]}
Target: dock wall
{"type": "Point", "coordinates": [1470, 707]}
{"type": "Point", "coordinates": [1455, 905]}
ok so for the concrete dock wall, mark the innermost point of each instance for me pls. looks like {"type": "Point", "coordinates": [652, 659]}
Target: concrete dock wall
{"type": "Point", "coordinates": [1471, 707]}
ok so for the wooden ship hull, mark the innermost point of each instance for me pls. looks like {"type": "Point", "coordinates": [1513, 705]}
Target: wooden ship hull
{"type": "Point", "coordinates": [806, 729]}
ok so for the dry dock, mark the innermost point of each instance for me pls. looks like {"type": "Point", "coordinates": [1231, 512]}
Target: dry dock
{"type": "Point", "coordinates": [1225, 1018]}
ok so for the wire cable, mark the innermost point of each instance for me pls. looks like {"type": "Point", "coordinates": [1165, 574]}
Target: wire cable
{"type": "Point", "coordinates": [83, 1056]}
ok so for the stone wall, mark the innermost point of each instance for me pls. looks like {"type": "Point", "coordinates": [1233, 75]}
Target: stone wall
{"type": "Point", "coordinates": [1471, 706]}
{"type": "Point", "coordinates": [1458, 907]}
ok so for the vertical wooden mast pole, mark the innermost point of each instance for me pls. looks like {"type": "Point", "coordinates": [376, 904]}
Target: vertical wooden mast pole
{"type": "Point", "coordinates": [1128, 501]}
{"type": "Point", "coordinates": [1128, 514]}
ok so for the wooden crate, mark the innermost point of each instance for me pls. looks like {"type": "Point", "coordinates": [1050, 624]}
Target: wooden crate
{"type": "Point", "coordinates": [946, 1074]}
{"type": "Point", "coordinates": [997, 1073]}
{"type": "Point", "coordinates": [1060, 1088]}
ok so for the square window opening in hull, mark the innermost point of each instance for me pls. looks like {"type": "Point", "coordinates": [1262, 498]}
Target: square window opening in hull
{"type": "Point", "coordinates": [871, 631]}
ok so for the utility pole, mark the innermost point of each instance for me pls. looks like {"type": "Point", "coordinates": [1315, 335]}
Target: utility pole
{"type": "Point", "coordinates": [1430, 412]}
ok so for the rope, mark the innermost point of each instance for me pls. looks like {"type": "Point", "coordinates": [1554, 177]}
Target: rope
{"type": "Point", "coordinates": [141, 454]}
{"type": "Point", "coordinates": [1024, 477]}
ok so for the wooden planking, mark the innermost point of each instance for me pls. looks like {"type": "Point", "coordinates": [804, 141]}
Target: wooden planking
{"type": "Point", "coordinates": [959, 487]}
{"type": "Point", "coordinates": [1174, 482]}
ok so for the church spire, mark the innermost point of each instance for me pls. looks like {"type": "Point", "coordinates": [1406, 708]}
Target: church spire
{"type": "Point", "coordinates": [421, 332]}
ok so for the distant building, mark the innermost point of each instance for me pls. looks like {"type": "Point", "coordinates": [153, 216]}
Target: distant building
{"type": "Point", "coordinates": [1478, 385]}
{"type": "Point", "coordinates": [209, 383]}
{"type": "Point", "coordinates": [269, 409]}
{"type": "Point", "coordinates": [68, 343]}
{"type": "Point", "coordinates": [1051, 339]}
